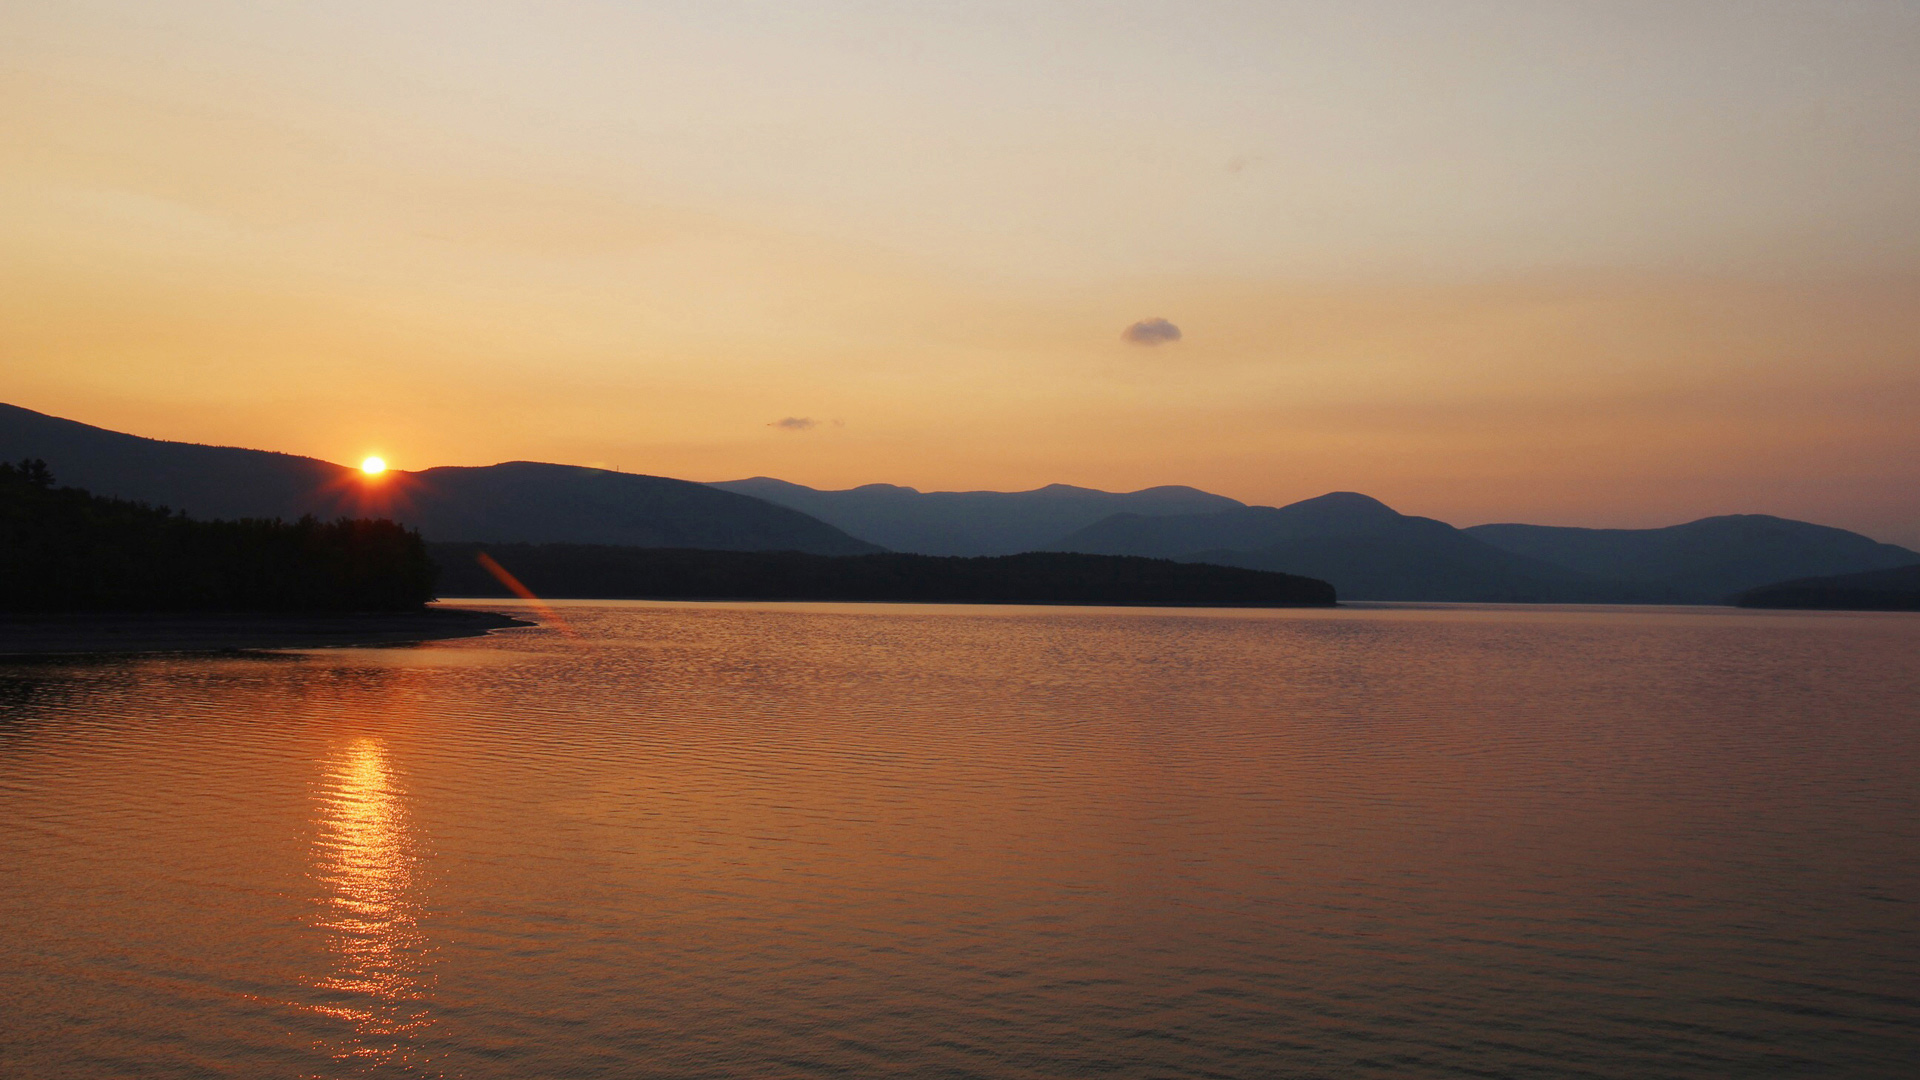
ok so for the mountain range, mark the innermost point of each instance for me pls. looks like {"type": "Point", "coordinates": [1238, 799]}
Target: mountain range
{"type": "Point", "coordinates": [1365, 548]}
{"type": "Point", "coordinates": [1371, 552]}
{"type": "Point", "coordinates": [973, 522]}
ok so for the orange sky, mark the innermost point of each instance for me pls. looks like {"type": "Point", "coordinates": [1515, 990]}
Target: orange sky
{"type": "Point", "coordinates": [1579, 263]}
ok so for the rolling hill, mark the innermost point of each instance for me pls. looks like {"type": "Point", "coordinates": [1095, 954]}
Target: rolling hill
{"type": "Point", "coordinates": [1366, 549]}
{"type": "Point", "coordinates": [1371, 552]}
{"type": "Point", "coordinates": [1363, 547]}
{"type": "Point", "coordinates": [517, 501]}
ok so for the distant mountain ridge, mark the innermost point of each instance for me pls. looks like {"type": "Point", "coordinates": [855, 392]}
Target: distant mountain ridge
{"type": "Point", "coordinates": [516, 501]}
{"type": "Point", "coordinates": [971, 522]}
{"type": "Point", "coordinates": [1368, 550]}
{"type": "Point", "coordinates": [1245, 528]}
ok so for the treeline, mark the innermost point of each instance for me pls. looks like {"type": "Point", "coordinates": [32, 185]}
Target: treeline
{"type": "Point", "coordinates": [607, 572]}
{"type": "Point", "coordinates": [63, 549]}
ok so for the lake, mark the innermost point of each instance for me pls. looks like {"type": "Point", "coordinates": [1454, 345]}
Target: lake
{"type": "Point", "coordinates": [717, 840]}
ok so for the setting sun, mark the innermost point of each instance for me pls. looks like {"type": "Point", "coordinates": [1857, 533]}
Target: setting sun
{"type": "Point", "coordinates": [373, 466]}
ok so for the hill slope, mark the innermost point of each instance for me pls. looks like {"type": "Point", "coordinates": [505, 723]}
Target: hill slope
{"type": "Point", "coordinates": [516, 501]}
{"type": "Point", "coordinates": [971, 522]}
{"type": "Point", "coordinates": [1365, 548]}
{"type": "Point", "coordinates": [530, 502]}
{"type": "Point", "coordinates": [1897, 589]}
{"type": "Point", "coordinates": [206, 481]}
{"type": "Point", "coordinates": [1705, 561]}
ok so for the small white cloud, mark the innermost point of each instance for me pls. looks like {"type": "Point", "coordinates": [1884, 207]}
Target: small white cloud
{"type": "Point", "coordinates": [1154, 331]}
{"type": "Point", "coordinates": [795, 423]}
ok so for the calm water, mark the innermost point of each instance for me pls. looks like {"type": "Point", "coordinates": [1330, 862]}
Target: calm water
{"type": "Point", "coordinates": [781, 840]}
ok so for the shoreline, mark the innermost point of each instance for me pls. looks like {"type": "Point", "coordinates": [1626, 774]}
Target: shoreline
{"type": "Point", "coordinates": [56, 634]}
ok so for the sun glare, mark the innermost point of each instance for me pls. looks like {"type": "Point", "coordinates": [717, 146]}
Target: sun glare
{"type": "Point", "coordinates": [373, 466]}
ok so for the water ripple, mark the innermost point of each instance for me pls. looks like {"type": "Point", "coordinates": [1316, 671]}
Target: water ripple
{"type": "Point", "coordinates": [811, 840]}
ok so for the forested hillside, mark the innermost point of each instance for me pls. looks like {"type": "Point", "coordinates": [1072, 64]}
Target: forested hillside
{"type": "Point", "coordinates": [590, 570]}
{"type": "Point", "coordinates": [63, 549]}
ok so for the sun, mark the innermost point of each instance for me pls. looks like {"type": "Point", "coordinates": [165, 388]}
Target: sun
{"type": "Point", "coordinates": [373, 466]}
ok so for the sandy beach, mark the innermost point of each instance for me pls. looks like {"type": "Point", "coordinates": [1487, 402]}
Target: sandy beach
{"type": "Point", "coordinates": [55, 634]}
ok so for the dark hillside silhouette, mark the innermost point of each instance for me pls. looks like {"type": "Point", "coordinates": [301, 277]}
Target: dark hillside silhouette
{"type": "Point", "coordinates": [593, 571]}
{"type": "Point", "coordinates": [63, 549]}
{"type": "Point", "coordinates": [516, 501]}
{"type": "Point", "coordinates": [532, 502]}
{"type": "Point", "coordinates": [204, 481]}
{"type": "Point", "coordinates": [1365, 548]}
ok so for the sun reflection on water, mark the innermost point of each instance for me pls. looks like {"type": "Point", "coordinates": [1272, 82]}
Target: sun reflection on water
{"type": "Point", "coordinates": [368, 869]}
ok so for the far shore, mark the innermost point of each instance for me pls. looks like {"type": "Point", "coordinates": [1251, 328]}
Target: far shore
{"type": "Point", "coordinates": [114, 633]}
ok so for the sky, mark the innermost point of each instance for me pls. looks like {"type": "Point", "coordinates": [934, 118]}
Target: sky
{"type": "Point", "coordinates": [1611, 264]}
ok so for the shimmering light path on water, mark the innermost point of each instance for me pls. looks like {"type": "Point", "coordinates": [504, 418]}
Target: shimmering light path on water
{"type": "Point", "coordinates": [735, 840]}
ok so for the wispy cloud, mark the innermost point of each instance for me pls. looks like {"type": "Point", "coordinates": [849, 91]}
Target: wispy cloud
{"type": "Point", "coordinates": [1154, 331]}
{"type": "Point", "coordinates": [795, 423]}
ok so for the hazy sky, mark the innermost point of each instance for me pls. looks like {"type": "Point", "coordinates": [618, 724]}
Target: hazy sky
{"type": "Point", "coordinates": [1606, 263]}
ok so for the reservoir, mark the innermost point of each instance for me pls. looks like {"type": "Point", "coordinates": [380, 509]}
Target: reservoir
{"type": "Point", "coordinates": [810, 840]}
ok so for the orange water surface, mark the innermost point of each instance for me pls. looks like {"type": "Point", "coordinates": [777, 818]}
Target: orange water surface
{"type": "Point", "coordinates": [699, 840]}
